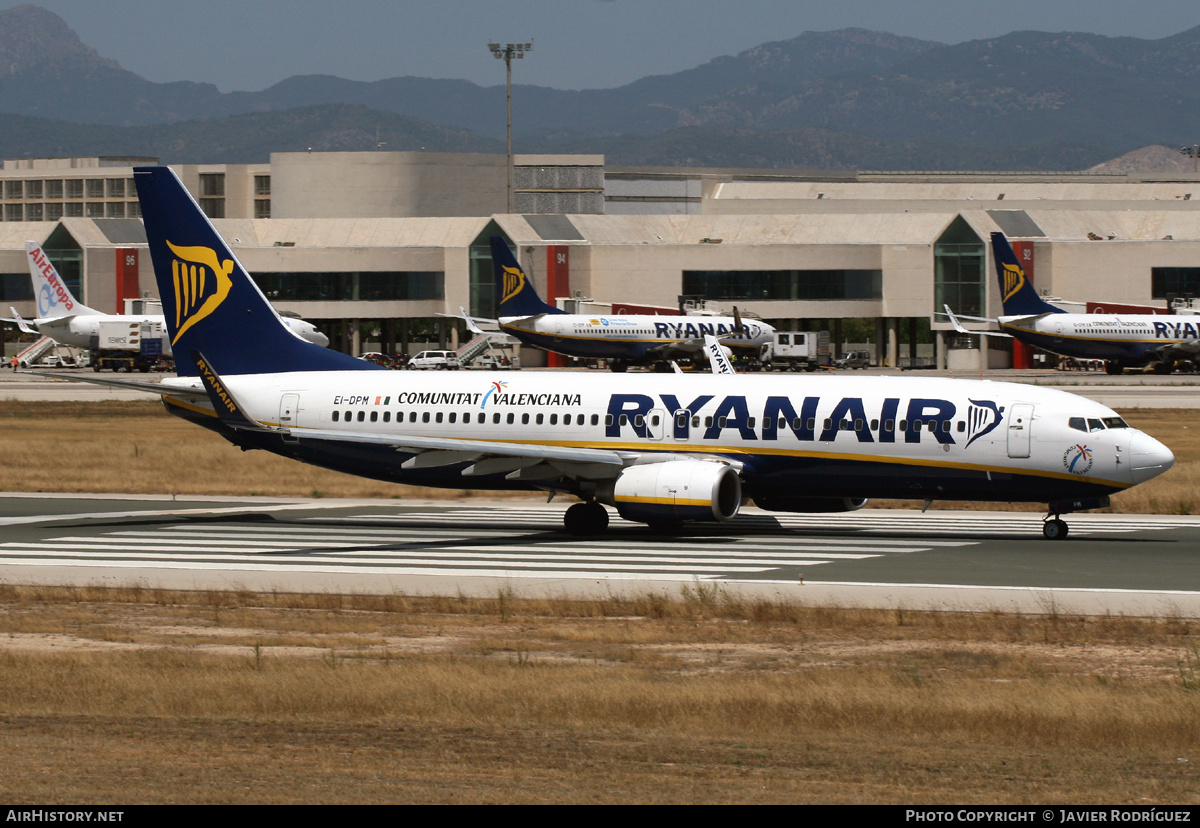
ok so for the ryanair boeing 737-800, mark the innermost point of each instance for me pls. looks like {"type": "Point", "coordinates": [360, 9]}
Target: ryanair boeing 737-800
{"type": "Point", "coordinates": [1122, 340]}
{"type": "Point", "coordinates": [621, 340]}
{"type": "Point", "coordinates": [660, 449]}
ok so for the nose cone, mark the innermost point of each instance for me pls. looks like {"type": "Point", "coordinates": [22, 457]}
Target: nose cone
{"type": "Point", "coordinates": [1148, 458]}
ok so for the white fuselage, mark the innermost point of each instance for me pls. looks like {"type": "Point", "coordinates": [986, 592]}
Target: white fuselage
{"type": "Point", "coordinates": [634, 337]}
{"type": "Point", "coordinates": [96, 329]}
{"type": "Point", "coordinates": [1129, 337]}
{"type": "Point", "coordinates": [818, 437]}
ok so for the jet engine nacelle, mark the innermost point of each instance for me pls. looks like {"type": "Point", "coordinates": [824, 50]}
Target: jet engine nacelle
{"type": "Point", "coordinates": [676, 490]}
{"type": "Point", "coordinates": [783, 503]}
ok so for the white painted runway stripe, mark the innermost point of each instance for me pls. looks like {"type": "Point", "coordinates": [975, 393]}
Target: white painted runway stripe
{"type": "Point", "coordinates": [365, 535]}
{"type": "Point", "coordinates": [75, 546]}
{"type": "Point", "coordinates": [1014, 524]}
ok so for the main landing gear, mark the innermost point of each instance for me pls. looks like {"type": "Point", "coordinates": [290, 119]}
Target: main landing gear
{"type": "Point", "coordinates": [1054, 528]}
{"type": "Point", "coordinates": [586, 519]}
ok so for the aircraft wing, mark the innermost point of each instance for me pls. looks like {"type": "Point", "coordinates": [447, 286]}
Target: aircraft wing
{"type": "Point", "coordinates": [488, 456]}
{"type": "Point", "coordinates": [1177, 350]}
{"type": "Point", "coordinates": [195, 391]}
{"type": "Point", "coordinates": [958, 325]}
{"type": "Point", "coordinates": [19, 322]}
{"type": "Point", "coordinates": [471, 320]}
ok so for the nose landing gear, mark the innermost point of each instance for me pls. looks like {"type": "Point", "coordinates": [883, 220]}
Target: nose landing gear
{"type": "Point", "coordinates": [1054, 527]}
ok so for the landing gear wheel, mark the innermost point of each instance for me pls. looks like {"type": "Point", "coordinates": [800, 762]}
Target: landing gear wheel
{"type": "Point", "coordinates": [618, 366]}
{"type": "Point", "coordinates": [584, 519]}
{"type": "Point", "coordinates": [1114, 369]}
{"type": "Point", "coordinates": [1055, 529]}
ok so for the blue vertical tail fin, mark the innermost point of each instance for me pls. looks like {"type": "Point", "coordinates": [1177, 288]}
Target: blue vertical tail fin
{"type": "Point", "coordinates": [515, 294]}
{"type": "Point", "coordinates": [1016, 290]}
{"type": "Point", "coordinates": [210, 303]}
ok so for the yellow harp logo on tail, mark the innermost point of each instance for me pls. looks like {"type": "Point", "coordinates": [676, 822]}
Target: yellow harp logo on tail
{"type": "Point", "coordinates": [514, 280]}
{"type": "Point", "coordinates": [201, 283]}
{"type": "Point", "coordinates": [1014, 279]}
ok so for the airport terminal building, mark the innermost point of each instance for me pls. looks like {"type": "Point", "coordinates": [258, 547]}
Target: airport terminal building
{"type": "Point", "coordinates": [373, 245]}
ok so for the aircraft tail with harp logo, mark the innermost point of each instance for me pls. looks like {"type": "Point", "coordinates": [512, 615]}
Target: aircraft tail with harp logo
{"type": "Point", "coordinates": [210, 303]}
{"type": "Point", "coordinates": [1019, 296]}
{"type": "Point", "coordinates": [515, 294]}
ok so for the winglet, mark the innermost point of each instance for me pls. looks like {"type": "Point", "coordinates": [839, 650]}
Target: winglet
{"type": "Point", "coordinates": [20, 322]}
{"type": "Point", "coordinates": [228, 409]}
{"type": "Point", "coordinates": [718, 359]}
{"type": "Point", "coordinates": [954, 321]}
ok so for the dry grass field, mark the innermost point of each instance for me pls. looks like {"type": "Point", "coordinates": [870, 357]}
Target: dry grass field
{"type": "Point", "coordinates": [143, 696]}
{"type": "Point", "coordinates": [125, 696]}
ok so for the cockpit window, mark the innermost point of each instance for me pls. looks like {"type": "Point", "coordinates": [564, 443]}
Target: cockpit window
{"type": "Point", "coordinates": [1115, 422]}
{"type": "Point", "coordinates": [1095, 425]}
{"type": "Point", "coordinates": [1077, 423]}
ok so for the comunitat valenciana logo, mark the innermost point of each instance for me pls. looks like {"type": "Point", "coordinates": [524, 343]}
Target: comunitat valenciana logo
{"type": "Point", "coordinates": [497, 389]}
{"type": "Point", "coordinates": [201, 282]}
{"type": "Point", "coordinates": [1077, 459]}
{"type": "Point", "coordinates": [514, 280]}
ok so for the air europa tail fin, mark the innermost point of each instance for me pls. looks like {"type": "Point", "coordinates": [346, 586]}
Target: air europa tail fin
{"type": "Point", "coordinates": [515, 294]}
{"type": "Point", "coordinates": [1016, 291]}
{"type": "Point", "coordinates": [210, 303]}
{"type": "Point", "coordinates": [51, 293]}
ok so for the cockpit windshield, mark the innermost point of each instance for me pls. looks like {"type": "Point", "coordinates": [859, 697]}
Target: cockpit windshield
{"type": "Point", "coordinates": [1093, 424]}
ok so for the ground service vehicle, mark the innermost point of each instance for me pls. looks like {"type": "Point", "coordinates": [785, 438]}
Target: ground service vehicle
{"type": "Point", "coordinates": [434, 361]}
{"type": "Point", "coordinates": [796, 350]}
{"type": "Point", "coordinates": [854, 359]}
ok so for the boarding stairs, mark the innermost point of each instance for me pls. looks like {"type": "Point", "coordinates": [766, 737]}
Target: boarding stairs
{"type": "Point", "coordinates": [36, 351]}
{"type": "Point", "coordinates": [482, 343]}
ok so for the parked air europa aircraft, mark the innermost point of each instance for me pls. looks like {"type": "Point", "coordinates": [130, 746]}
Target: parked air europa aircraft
{"type": "Point", "coordinates": [69, 322]}
{"type": "Point", "coordinates": [660, 449]}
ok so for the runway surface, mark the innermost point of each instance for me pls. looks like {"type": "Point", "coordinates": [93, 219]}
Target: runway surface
{"type": "Point", "coordinates": [1138, 565]}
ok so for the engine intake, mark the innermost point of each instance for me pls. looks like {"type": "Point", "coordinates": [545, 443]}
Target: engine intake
{"type": "Point", "coordinates": [676, 490]}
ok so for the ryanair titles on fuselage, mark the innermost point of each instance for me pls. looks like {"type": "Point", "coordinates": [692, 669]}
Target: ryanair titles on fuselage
{"type": "Point", "coordinates": [809, 418]}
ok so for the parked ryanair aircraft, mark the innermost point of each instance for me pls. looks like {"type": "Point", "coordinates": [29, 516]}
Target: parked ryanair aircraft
{"type": "Point", "coordinates": [622, 340]}
{"type": "Point", "coordinates": [660, 449]}
{"type": "Point", "coordinates": [1122, 340]}
{"type": "Point", "coordinates": [69, 322]}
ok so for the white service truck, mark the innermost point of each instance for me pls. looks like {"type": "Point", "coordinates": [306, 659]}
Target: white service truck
{"type": "Point", "coordinates": [796, 351]}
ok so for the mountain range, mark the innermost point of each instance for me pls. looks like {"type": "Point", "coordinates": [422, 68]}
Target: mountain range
{"type": "Point", "coordinates": [845, 99]}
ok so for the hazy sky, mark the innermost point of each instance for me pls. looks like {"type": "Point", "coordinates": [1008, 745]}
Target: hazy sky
{"type": "Point", "coordinates": [578, 44]}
